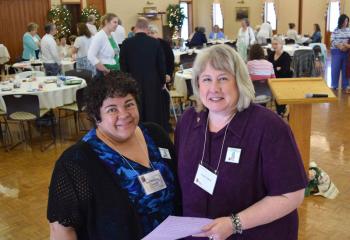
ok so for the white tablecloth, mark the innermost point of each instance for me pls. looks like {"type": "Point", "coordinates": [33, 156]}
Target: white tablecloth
{"type": "Point", "coordinates": [50, 97]}
{"type": "Point", "coordinates": [4, 54]}
{"type": "Point", "coordinates": [178, 53]}
{"type": "Point", "coordinates": [180, 81]}
{"type": "Point", "coordinates": [67, 64]}
{"type": "Point", "coordinates": [219, 41]}
{"type": "Point", "coordinates": [290, 49]}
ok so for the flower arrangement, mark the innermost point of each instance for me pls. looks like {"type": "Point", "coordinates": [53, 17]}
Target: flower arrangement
{"type": "Point", "coordinates": [62, 18]}
{"type": "Point", "coordinates": [175, 17]}
{"type": "Point", "coordinates": [90, 10]}
{"type": "Point", "coordinates": [320, 183]}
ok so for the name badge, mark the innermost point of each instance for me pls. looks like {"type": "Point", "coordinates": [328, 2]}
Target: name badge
{"type": "Point", "coordinates": [152, 182]}
{"type": "Point", "coordinates": [233, 155]}
{"type": "Point", "coordinates": [205, 179]}
{"type": "Point", "coordinates": [164, 153]}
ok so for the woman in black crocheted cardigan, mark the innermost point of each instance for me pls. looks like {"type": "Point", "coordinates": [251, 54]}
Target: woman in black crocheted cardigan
{"type": "Point", "coordinates": [119, 181]}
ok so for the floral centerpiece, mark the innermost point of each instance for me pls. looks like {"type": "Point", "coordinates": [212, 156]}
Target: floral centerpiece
{"type": "Point", "coordinates": [62, 18]}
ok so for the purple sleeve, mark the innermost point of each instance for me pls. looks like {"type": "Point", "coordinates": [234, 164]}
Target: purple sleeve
{"type": "Point", "coordinates": [282, 166]}
{"type": "Point", "coordinates": [183, 123]}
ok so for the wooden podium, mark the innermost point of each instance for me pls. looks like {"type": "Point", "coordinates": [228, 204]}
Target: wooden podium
{"type": "Point", "coordinates": [292, 91]}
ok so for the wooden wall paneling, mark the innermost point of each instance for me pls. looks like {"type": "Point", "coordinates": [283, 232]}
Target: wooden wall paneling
{"type": "Point", "coordinates": [15, 16]}
{"type": "Point", "coordinates": [100, 5]}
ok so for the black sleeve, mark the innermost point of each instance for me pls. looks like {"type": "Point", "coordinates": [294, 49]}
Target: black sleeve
{"type": "Point", "coordinates": [285, 65]}
{"type": "Point", "coordinates": [169, 57]}
{"type": "Point", "coordinates": [122, 57]}
{"type": "Point", "coordinates": [161, 64]}
{"type": "Point", "coordinates": [204, 38]}
{"type": "Point", "coordinates": [270, 56]}
{"type": "Point", "coordinates": [68, 190]}
{"type": "Point", "coordinates": [161, 138]}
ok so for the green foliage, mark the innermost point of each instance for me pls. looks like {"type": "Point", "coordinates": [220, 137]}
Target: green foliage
{"type": "Point", "coordinates": [175, 16]}
{"type": "Point", "coordinates": [90, 10]}
{"type": "Point", "coordinates": [313, 182]}
{"type": "Point", "coordinates": [62, 18]}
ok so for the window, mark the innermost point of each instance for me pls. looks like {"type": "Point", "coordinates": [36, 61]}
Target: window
{"type": "Point", "coordinates": [333, 15]}
{"type": "Point", "coordinates": [270, 14]}
{"type": "Point", "coordinates": [217, 15]}
{"type": "Point", "coordinates": [185, 27]}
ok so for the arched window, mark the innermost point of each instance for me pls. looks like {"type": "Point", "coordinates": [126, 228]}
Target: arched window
{"type": "Point", "coordinates": [218, 19]}
{"type": "Point", "coordinates": [333, 14]}
{"type": "Point", "coordinates": [270, 14]}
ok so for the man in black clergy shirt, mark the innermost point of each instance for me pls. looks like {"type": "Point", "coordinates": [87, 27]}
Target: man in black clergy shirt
{"type": "Point", "coordinates": [142, 56]}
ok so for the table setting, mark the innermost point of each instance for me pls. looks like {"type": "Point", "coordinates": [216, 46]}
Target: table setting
{"type": "Point", "coordinates": [52, 91]}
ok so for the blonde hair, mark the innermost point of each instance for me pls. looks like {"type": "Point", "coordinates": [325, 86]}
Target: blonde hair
{"type": "Point", "coordinates": [224, 58]}
{"type": "Point", "coordinates": [32, 26]}
{"type": "Point", "coordinates": [277, 39]}
{"type": "Point", "coordinates": [107, 18]}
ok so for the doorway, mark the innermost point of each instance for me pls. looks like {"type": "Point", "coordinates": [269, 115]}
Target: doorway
{"type": "Point", "coordinates": [74, 9]}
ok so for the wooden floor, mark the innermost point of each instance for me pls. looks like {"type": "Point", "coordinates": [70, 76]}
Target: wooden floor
{"type": "Point", "coordinates": [25, 175]}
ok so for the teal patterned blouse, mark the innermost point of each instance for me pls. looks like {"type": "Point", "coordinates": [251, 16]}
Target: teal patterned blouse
{"type": "Point", "coordinates": [153, 208]}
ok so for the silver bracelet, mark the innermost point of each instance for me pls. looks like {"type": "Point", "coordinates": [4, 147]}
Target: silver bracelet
{"type": "Point", "coordinates": [236, 224]}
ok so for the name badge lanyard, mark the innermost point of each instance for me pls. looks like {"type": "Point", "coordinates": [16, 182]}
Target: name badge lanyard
{"type": "Point", "coordinates": [222, 145]}
{"type": "Point", "coordinates": [151, 182]}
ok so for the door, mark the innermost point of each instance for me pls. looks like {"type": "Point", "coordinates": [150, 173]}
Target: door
{"type": "Point", "coordinates": [74, 9]}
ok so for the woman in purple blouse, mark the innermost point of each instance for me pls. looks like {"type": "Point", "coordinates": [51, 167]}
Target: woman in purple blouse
{"type": "Point", "coordinates": [238, 162]}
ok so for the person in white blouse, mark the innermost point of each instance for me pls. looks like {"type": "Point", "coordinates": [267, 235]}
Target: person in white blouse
{"type": "Point", "coordinates": [245, 38]}
{"type": "Point", "coordinates": [265, 32]}
{"type": "Point", "coordinates": [120, 33]}
{"type": "Point", "coordinates": [64, 50]}
{"type": "Point", "coordinates": [91, 24]}
{"type": "Point", "coordinates": [103, 52]}
{"type": "Point", "coordinates": [49, 51]}
{"type": "Point", "coordinates": [81, 47]}
{"type": "Point", "coordinates": [292, 33]}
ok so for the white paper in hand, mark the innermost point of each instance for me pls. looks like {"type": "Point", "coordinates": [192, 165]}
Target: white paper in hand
{"type": "Point", "coordinates": [173, 228]}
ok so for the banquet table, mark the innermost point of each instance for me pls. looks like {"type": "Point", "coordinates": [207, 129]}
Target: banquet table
{"type": "Point", "coordinates": [180, 81]}
{"type": "Point", "coordinates": [67, 64]}
{"type": "Point", "coordinates": [50, 95]}
{"type": "Point", "coordinates": [179, 52]}
{"type": "Point", "coordinates": [219, 41]}
{"type": "Point", "coordinates": [4, 54]}
{"type": "Point", "coordinates": [290, 49]}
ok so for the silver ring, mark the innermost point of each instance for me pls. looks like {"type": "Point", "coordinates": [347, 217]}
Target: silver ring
{"type": "Point", "coordinates": [211, 238]}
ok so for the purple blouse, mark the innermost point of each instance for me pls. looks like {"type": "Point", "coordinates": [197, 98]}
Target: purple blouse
{"type": "Point", "coordinates": [269, 165]}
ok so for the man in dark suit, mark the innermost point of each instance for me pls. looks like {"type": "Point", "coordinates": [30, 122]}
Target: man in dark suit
{"type": "Point", "coordinates": [170, 66]}
{"type": "Point", "coordinates": [142, 56]}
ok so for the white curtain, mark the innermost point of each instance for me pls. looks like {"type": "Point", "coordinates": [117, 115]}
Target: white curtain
{"type": "Point", "coordinates": [333, 14]}
{"type": "Point", "coordinates": [218, 18]}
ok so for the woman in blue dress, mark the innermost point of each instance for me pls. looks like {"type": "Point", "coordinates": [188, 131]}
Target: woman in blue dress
{"type": "Point", "coordinates": [31, 43]}
{"type": "Point", "coordinates": [119, 181]}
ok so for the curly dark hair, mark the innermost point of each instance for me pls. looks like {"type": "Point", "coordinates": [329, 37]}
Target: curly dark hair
{"type": "Point", "coordinates": [256, 52]}
{"type": "Point", "coordinates": [115, 84]}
